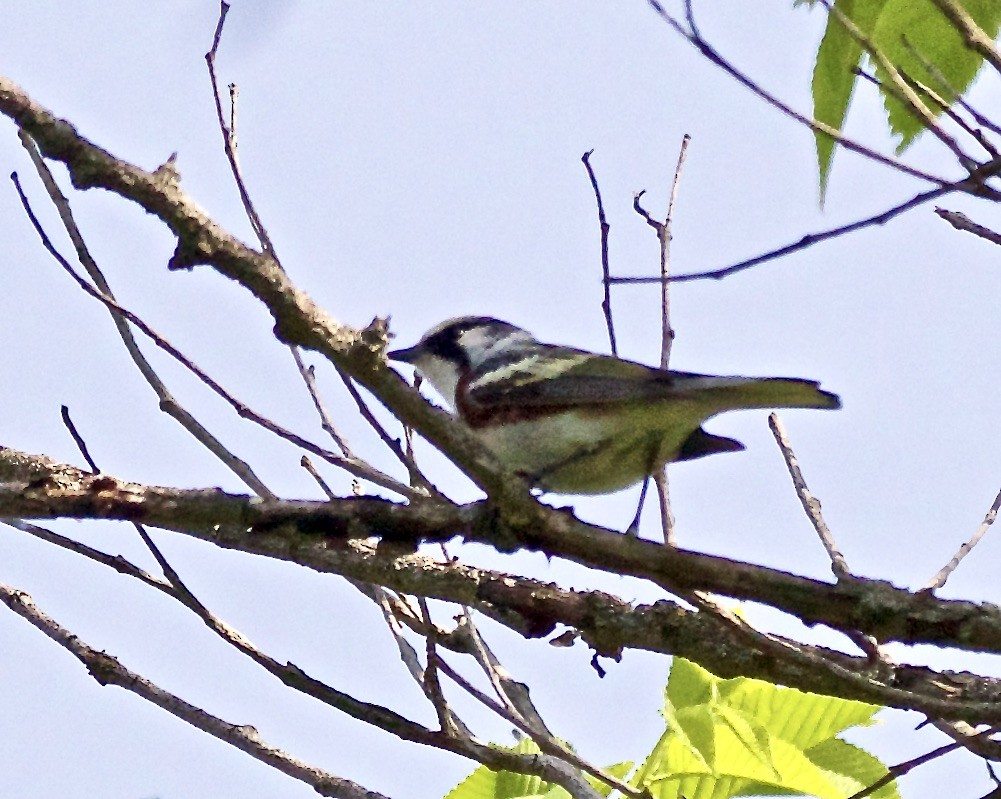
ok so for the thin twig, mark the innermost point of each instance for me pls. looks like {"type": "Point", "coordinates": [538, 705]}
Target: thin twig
{"type": "Point", "coordinates": [903, 768]}
{"type": "Point", "coordinates": [957, 98]}
{"type": "Point", "coordinates": [307, 464]}
{"type": "Point", "coordinates": [695, 39]}
{"type": "Point", "coordinates": [801, 244]}
{"type": "Point", "coordinates": [229, 136]}
{"type": "Point", "coordinates": [78, 439]}
{"type": "Point", "coordinates": [168, 404]}
{"type": "Point", "coordinates": [974, 36]}
{"type": "Point", "coordinates": [811, 505]}
{"type": "Point", "coordinates": [430, 682]}
{"type": "Point", "coordinates": [122, 314]}
{"type": "Point", "coordinates": [667, 335]}
{"type": "Point", "coordinates": [309, 378]}
{"type": "Point", "coordinates": [667, 331]}
{"type": "Point", "coordinates": [898, 87]}
{"type": "Point", "coordinates": [604, 227]}
{"type": "Point", "coordinates": [116, 562]}
{"type": "Point", "coordinates": [939, 579]}
{"type": "Point", "coordinates": [943, 105]}
{"type": "Point", "coordinates": [107, 670]}
{"type": "Point", "coordinates": [961, 221]}
{"type": "Point", "coordinates": [417, 477]}
{"type": "Point", "coordinates": [512, 693]}
{"type": "Point", "coordinates": [447, 718]}
{"type": "Point", "coordinates": [514, 697]}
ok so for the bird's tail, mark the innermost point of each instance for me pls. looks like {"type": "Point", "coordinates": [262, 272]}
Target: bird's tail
{"type": "Point", "coordinates": [733, 393]}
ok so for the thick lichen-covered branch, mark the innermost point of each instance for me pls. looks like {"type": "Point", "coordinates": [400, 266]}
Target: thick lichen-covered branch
{"type": "Point", "coordinates": [336, 537]}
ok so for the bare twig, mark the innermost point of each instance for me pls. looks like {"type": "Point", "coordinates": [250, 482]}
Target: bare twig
{"type": "Point", "coordinates": [518, 708]}
{"type": "Point", "coordinates": [810, 503]}
{"type": "Point", "coordinates": [307, 464]}
{"type": "Point", "coordinates": [116, 562]}
{"type": "Point", "coordinates": [663, 231]}
{"type": "Point", "coordinates": [961, 221]}
{"type": "Point", "coordinates": [168, 404]}
{"type": "Point", "coordinates": [957, 99]}
{"type": "Point", "coordinates": [943, 106]}
{"type": "Point", "coordinates": [808, 240]}
{"type": "Point", "coordinates": [980, 743]}
{"type": "Point", "coordinates": [78, 439]}
{"type": "Point", "coordinates": [430, 682]}
{"type": "Point", "coordinates": [903, 768]}
{"type": "Point", "coordinates": [229, 136]}
{"type": "Point", "coordinates": [122, 314]}
{"type": "Point", "coordinates": [417, 478]}
{"type": "Point", "coordinates": [693, 36]}
{"type": "Point", "coordinates": [939, 579]}
{"type": "Point", "coordinates": [603, 226]}
{"type": "Point", "coordinates": [107, 670]}
{"type": "Point", "coordinates": [513, 694]}
{"type": "Point", "coordinates": [309, 378]}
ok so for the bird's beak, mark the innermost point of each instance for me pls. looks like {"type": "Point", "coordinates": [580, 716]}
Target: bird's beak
{"type": "Point", "coordinates": [408, 355]}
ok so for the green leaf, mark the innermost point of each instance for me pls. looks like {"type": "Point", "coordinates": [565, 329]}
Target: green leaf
{"type": "Point", "coordinates": [834, 76]}
{"type": "Point", "coordinates": [619, 770]}
{"type": "Point", "coordinates": [851, 768]}
{"type": "Point", "coordinates": [802, 719]}
{"type": "Point", "coordinates": [937, 41]}
{"type": "Point", "coordinates": [689, 684]}
{"type": "Point", "coordinates": [887, 23]}
{"type": "Point", "coordinates": [484, 783]}
{"type": "Point", "coordinates": [745, 737]}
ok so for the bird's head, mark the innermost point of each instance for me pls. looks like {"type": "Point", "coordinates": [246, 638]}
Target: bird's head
{"type": "Point", "coordinates": [457, 347]}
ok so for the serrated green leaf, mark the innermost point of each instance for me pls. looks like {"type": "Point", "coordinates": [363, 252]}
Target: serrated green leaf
{"type": "Point", "coordinates": [749, 734]}
{"type": "Point", "coordinates": [742, 774]}
{"type": "Point", "coordinates": [484, 783]}
{"type": "Point", "coordinates": [834, 76]}
{"type": "Point", "coordinates": [802, 719]}
{"type": "Point", "coordinates": [851, 767]}
{"type": "Point", "coordinates": [689, 684]}
{"type": "Point", "coordinates": [751, 737]}
{"type": "Point", "coordinates": [937, 41]}
{"type": "Point", "coordinates": [619, 770]}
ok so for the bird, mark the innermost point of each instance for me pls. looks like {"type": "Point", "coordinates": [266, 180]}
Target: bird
{"type": "Point", "coordinates": [577, 422]}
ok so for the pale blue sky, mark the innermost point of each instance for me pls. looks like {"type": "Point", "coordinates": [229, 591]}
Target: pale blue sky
{"type": "Point", "coordinates": [423, 161]}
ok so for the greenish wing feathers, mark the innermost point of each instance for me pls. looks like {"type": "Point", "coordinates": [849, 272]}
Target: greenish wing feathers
{"type": "Point", "coordinates": [600, 380]}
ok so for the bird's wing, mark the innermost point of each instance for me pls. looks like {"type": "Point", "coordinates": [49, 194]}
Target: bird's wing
{"type": "Point", "coordinates": [560, 378]}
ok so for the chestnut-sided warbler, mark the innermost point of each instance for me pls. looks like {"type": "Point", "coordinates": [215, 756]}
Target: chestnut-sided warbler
{"type": "Point", "coordinates": [575, 422]}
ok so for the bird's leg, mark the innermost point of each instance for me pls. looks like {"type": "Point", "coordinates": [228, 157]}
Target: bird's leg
{"type": "Point", "coordinates": [634, 526]}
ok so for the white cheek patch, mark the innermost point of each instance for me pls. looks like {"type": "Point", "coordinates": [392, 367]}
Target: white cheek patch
{"type": "Point", "coordinates": [441, 374]}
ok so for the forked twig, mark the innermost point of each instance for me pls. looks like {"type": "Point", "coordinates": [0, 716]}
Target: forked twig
{"type": "Point", "coordinates": [168, 404]}
{"type": "Point", "coordinates": [107, 670]}
{"type": "Point", "coordinates": [808, 240]}
{"type": "Point", "coordinates": [123, 316]}
{"type": "Point", "coordinates": [899, 88]}
{"type": "Point", "coordinates": [229, 136]}
{"type": "Point", "coordinates": [417, 477]}
{"type": "Point", "coordinates": [663, 231]}
{"type": "Point", "coordinates": [695, 38]}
